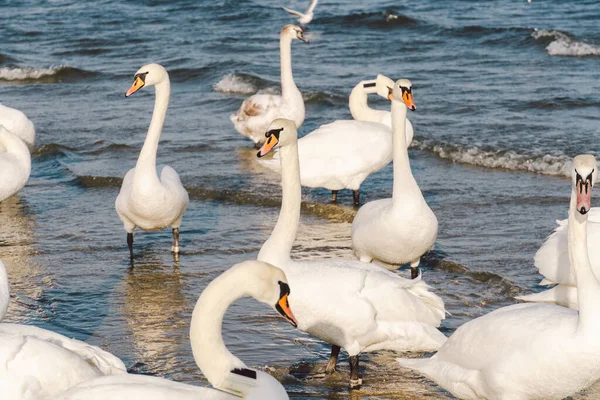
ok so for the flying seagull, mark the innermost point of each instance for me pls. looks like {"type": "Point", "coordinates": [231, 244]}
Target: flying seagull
{"type": "Point", "coordinates": [305, 18]}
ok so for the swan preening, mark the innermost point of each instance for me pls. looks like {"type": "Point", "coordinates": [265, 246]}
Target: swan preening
{"type": "Point", "coordinates": [145, 200]}
{"type": "Point", "coordinates": [36, 363]}
{"type": "Point", "coordinates": [533, 350]}
{"type": "Point", "coordinates": [401, 229]}
{"type": "Point", "coordinates": [224, 371]}
{"type": "Point", "coordinates": [257, 111]}
{"type": "Point", "coordinates": [552, 260]}
{"type": "Point", "coordinates": [342, 154]}
{"type": "Point", "coordinates": [305, 18]}
{"type": "Point", "coordinates": [15, 163]}
{"type": "Point", "coordinates": [349, 304]}
{"type": "Point", "coordinates": [18, 123]}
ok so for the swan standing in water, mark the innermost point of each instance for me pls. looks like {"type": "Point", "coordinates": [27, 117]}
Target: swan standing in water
{"type": "Point", "coordinates": [352, 305]}
{"type": "Point", "coordinates": [257, 111]}
{"type": "Point", "coordinates": [535, 350]}
{"type": "Point", "coordinates": [36, 363]}
{"type": "Point", "coordinates": [342, 154]}
{"type": "Point", "coordinates": [401, 229]}
{"type": "Point", "coordinates": [15, 163]}
{"type": "Point", "coordinates": [552, 261]}
{"type": "Point", "coordinates": [18, 123]}
{"type": "Point", "coordinates": [145, 200]}
{"type": "Point", "coordinates": [305, 18]}
{"type": "Point", "coordinates": [223, 370]}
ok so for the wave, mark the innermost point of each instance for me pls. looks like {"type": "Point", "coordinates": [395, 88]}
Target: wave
{"type": "Point", "coordinates": [385, 19]}
{"type": "Point", "coordinates": [4, 58]}
{"type": "Point", "coordinates": [546, 164]}
{"type": "Point", "coordinates": [237, 83]}
{"type": "Point", "coordinates": [562, 44]}
{"type": "Point", "coordinates": [53, 74]}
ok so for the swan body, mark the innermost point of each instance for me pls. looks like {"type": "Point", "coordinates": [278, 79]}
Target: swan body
{"type": "Point", "coordinates": [15, 163]}
{"type": "Point", "coordinates": [401, 229]}
{"type": "Point", "coordinates": [354, 305]}
{"type": "Point", "coordinates": [36, 363]}
{"type": "Point", "coordinates": [228, 374]}
{"type": "Point", "coordinates": [305, 18]}
{"type": "Point", "coordinates": [530, 351]}
{"type": "Point", "coordinates": [257, 111]}
{"type": "Point", "coordinates": [18, 123]}
{"type": "Point", "coordinates": [552, 261]}
{"type": "Point", "coordinates": [145, 200]}
{"type": "Point", "coordinates": [342, 154]}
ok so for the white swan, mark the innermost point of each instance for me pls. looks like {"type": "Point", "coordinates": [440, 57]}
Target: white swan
{"type": "Point", "coordinates": [552, 261]}
{"type": "Point", "coordinates": [530, 351]}
{"type": "Point", "coordinates": [36, 363]}
{"type": "Point", "coordinates": [223, 370]}
{"type": "Point", "coordinates": [342, 154]}
{"type": "Point", "coordinates": [15, 164]}
{"type": "Point", "coordinates": [305, 18]}
{"type": "Point", "coordinates": [350, 304]}
{"type": "Point", "coordinates": [401, 229]}
{"type": "Point", "coordinates": [145, 200]}
{"type": "Point", "coordinates": [18, 123]}
{"type": "Point", "coordinates": [257, 111]}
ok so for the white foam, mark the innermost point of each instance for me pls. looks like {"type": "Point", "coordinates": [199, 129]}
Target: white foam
{"type": "Point", "coordinates": [25, 73]}
{"type": "Point", "coordinates": [232, 83]}
{"type": "Point", "coordinates": [547, 164]}
{"type": "Point", "coordinates": [563, 45]}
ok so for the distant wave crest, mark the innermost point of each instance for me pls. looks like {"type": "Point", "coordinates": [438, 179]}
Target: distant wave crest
{"type": "Point", "coordinates": [51, 74]}
{"type": "Point", "coordinates": [547, 164]}
{"type": "Point", "coordinates": [563, 45]}
{"type": "Point", "coordinates": [233, 83]}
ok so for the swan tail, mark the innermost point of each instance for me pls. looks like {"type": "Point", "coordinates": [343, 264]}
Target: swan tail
{"type": "Point", "coordinates": [433, 302]}
{"type": "Point", "coordinates": [562, 295]}
{"type": "Point", "coordinates": [408, 336]}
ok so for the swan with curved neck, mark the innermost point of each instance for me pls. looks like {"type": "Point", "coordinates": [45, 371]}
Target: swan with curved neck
{"type": "Point", "coordinates": [145, 200]}
{"type": "Point", "coordinates": [333, 156]}
{"type": "Point", "coordinates": [36, 363]}
{"type": "Point", "coordinates": [15, 163]}
{"type": "Point", "coordinates": [257, 111]}
{"type": "Point", "coordinates": [401, 229]}
{"type": "Point", "coordinates": [531, 350]}
{"type": "Point", "coordinates": [381, 310]}
{"type": "Point", "coordinates": [18, 124]}
{"type": "Point", "coordinates": [224, 371]}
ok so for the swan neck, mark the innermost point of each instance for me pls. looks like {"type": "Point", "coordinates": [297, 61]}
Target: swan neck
{"type": "Point", "coordinates": [277, 248]}
{"type": "Point", "coordinates": [288, 86]}
{"type": "Point", "coordinates": [210, 353]}
{"type": "Point", "coordinates": [588, 287]}
{"type": "Point", "coordinates": [359, 106]}
{"type": "Point", "coordinates": [404, 182]}
{"type": "Point", "coordinates": [147, 158]}
{"type": "Point", "coordinates": [4, 292]}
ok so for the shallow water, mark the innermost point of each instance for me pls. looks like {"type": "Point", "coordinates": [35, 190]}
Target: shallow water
{"type": "Point", "coordinates": [506, 94]}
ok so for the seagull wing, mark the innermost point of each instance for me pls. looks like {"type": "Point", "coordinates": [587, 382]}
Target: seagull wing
{"type": "Point", "coordinates": [293, 12]}
{"type": "Point", "coordinates": [311, 6]}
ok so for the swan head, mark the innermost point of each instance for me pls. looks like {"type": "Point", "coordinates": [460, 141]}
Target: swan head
{"type": "Point", "coordinates": [584, 175]}
{"type": "Point", "coordinates": [384, 86]}
{"type": "Point", "coordinates": [293, 32]}
{"type": "Point", "coordinates": [402, 91]}
{"type": "Point", "coordinates": [281, 132]}
{"type": "Point", "coordinates": [148, 75]}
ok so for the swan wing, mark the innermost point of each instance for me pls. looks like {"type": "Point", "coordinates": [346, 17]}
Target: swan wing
{"type": "Point", "coordinates": [17, 122]}
{"type": "Point", "coordinates": [293, 12]}
{"type": "Point", "coordinates": [255, 115]}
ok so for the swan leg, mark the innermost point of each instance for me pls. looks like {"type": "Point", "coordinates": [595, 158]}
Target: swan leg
{"type": "Point", "coordinates": [130, 244]}
{"type": "Point", "coordinates": [355, 381]}
{"type": "Point", "coordinates": [334, 196]}
{"type": "Point", "coordinates": [175, 247]}
{"type": "Point", "coordinates": [335, 351]}
{"type": "Point", "coordinates": [356, 194]}
{"type": "Point", "coordinates": [414, 268]}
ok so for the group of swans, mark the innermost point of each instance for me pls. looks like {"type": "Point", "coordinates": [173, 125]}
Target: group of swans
{"type": "Point", "coordinates": [353, 305]}
{"type": "Point", "coordinates": [303, 18]}
{"type": "Point", "coordinates": [257, 111]}
{"type": "Point", "coordinates": [38, 364]}
{"type": "Point", "coordinates": [531, 350]}
{"type": "Point", "coordinates": [17, 137]}
{"type": "Point", "coordinates": [145, 200]}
